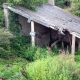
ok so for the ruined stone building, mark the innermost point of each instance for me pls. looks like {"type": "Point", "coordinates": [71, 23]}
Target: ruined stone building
{"type": "Point", "coordinates": [47, 25]}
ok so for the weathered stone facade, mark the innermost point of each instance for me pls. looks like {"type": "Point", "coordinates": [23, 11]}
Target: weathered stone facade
{"type": "Point", "coordinates": [26, 27]}
{"type": "Point", "coordinates": [42, 37]}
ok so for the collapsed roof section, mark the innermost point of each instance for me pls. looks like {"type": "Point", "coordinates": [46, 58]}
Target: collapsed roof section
{"type": "Point", "coordinates": [50, 16]}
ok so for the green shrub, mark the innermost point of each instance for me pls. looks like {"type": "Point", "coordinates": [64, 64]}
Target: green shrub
{"type": "Point", "coordinates": [12, 69]}
{"type": "Point", "coordinates": [42, 53]}
{"type": "Point", "coordinates": [14, 24]}
{"type": "Point", "coordinates": [1, 13]}
{"type": "Point", "coordinates": [76, 75]}
{"type": "Point", "coordinates": [22, 48]}
{"type": "Point", "coordinates": [1, 18]}
{"type": "Point", "coordinates": [4, 53]}
{"type": "Point", "coordinates": [11, 73]}
{"type": "Point", "coordinates": [5, 50]}
{"type": "Point", "coordinates": [60, 3]}
{"type": "Point", "coordinates": [77, 56]}
{"type": "Point", "coordinates": [75, 9]}
{"type": "Point", "coordinates": [19, 45]}
{"type": "Point", "coordinates": [55, 68]}
{"type": "Point", "coordinates": [34, 53]}
{"type": "Point", "coordinates": [5, 46]}
{"type": "Point", "coordinates": [30, 52]}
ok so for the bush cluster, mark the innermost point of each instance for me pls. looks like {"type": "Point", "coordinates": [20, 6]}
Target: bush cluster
{"type": "Point", "coordinates": [14, 25]}
{"type": "Point", "coordinates": [12, 69]}
{"type": "Point", "coordinates": [22, 48]}
{"type": "Point", "coordinates": [76, 7]}
{"type": "Point", "coordinates": [16, 46]}
{"type": "Point", "coordinates": [1, 18]}
{"type": "Point", "coordinates": [4, 54]}
{"type": "Point", "coordinates": [19, 45]}
{"type": "Point", "coordinates": [4, 50]}
{"type": "Point", "coordinates": [63, 3]}
{"type": "Point", "coordinates": [55, 68]}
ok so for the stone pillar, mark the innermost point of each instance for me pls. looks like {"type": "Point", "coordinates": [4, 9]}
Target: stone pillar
{"type": "Point", "coordinates": [73, 46]}
{"type": "Point", "coordinates": [51, 2]}
{"type": "Point", "coordinates": [32, 33]}
{"type": "Point", "coordinates": [6, 15]}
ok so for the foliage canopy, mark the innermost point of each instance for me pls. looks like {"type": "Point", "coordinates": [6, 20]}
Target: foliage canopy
{"type": "Point", "coordinates": [31, 4]}
{"type": "Point", "coordinates": [76, 7]}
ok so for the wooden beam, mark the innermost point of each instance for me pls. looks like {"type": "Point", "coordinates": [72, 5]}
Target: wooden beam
{"type": "Point", "coordinates": [73, 46]}
{"type": "Point", "coordinates": [6, 14]}
{"type": "Point", "coordinates": [32, 34]}
{"type": "Point", "coordinates": [75, 34]}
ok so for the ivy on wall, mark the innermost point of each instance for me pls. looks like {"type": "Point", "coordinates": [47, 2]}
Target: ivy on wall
{"type": "Point", "coordinates": [14, 24]}
{"type": "Point", "coordinates": [1, 18]}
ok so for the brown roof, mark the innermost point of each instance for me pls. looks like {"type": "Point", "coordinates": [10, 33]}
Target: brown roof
{"type": "Point", "coordinates": [50, 16]}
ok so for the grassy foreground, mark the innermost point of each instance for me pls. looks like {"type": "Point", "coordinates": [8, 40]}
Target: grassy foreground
{"type": "Point", "coordinates": [12, 69]}
{"type": "Point", "coordinates": [5, 35]}
{"type": "Point", "coordinates": [51, 68]}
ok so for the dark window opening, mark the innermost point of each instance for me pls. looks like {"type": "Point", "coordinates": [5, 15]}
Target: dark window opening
{"type": "Point", "coordinates": [67, 3]}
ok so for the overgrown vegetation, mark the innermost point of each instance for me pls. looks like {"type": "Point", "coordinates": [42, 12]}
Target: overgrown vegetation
{"type": "Point", "coordinates": [1, 18]}
{"type": "Point", "coordinates": [20, 46]}
{"type": "Point", "coordinates": [63, 3]}
{"type": "Point", "coordinates": [30, 4]}
{"type": "Point", "coordinates": [55, 68]}
{"type": "Point", "coordinates": [20, 61]}
{"type": "Point", "coordinates": [59, 67]}
{"type": "Point", "coordinates": [75, 9]}
{"type": "Point", "coordinates": [16, 57]}
{"type": "Point", "coordinates": [1, 13]}
{"type": "Point", "coordinates": [12, 69]}
{"type": "Point", "coordinates": [72, 5]}
{"type": "Point", "coordinates": [14, 25]}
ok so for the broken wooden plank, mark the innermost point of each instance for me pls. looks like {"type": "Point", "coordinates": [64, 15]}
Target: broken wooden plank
{"type": "Point", "coordinates": [54, 43]}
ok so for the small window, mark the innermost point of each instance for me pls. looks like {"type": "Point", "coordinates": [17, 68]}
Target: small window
{"type": "Point", "coordinates": [67, 3]}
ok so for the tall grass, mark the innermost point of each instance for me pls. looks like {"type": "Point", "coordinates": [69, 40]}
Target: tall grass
{"type": "Point", "coordinates": [55, 68]}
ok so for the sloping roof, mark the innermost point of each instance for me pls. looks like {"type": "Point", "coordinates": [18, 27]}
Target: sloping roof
{"type": "Point", "coordinates": [50, 16]}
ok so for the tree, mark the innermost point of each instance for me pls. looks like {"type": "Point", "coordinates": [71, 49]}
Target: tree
{"type": "Point", "coordinates": [63, 3]}
{"type": "Point", "coordinates": [31, 4]}
{"type": "Point", "coordinates": [1, 2]}
{"type": "Point", "coordinates": [75, 8]}
{"type": "Point", "coordinates": [73, 5]}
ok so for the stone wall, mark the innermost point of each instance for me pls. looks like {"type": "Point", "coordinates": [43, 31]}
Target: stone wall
{"type": "Point", "coordinates": [42, 33]}
{"type": "Point", "coordinates": [26, 27]}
